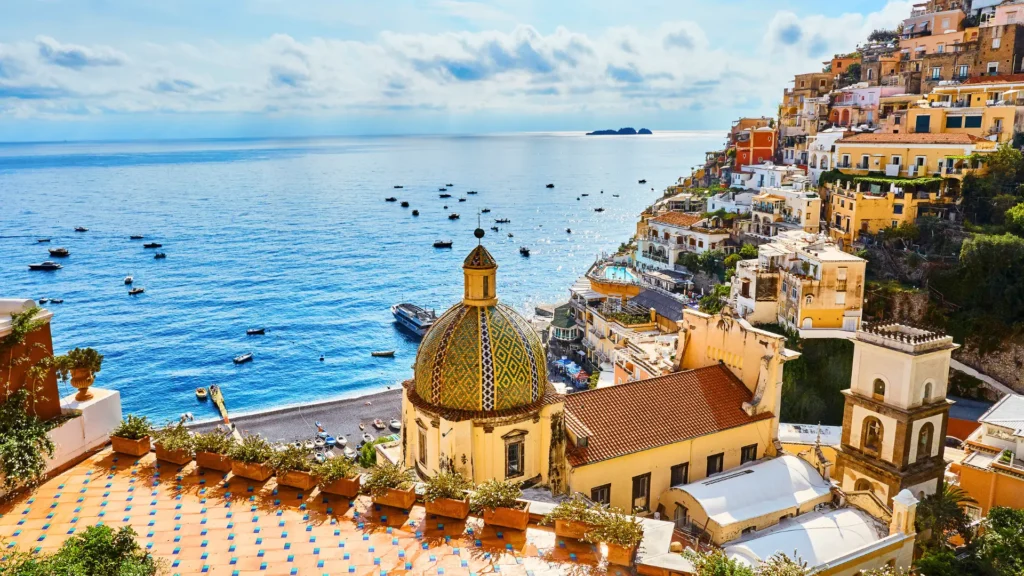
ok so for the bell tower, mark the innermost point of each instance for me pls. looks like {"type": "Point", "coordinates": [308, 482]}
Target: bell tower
{"type": "Point", "coordinates": [896, 412]}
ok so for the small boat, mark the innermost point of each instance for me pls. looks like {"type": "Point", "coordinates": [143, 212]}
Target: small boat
{"type": "Point", "coordinates": [568, 230]}
{"type": "Point", "coordinates": [442, 244]}
{"type": "Point", "coordinates": [159, 256]}
{"type": "Point", "coordinates": [444, 195]}
{"type": "Point", "coordinates": [495, 228]}
{"type": "Point", "coordinates": [44, 300]}
{"type": "Point", "coordinates": [396, 424]}
{"type": "Point", "coordinates": [247, 357]}
{"type": "Point", "coordinates": [135, 237]}
{"type": "Point", "coordinates": [471, 192]}
{"type": "Point", "coordinates": [615, 195]}
{"type": "Point", "coordinates": [348, 452]}
{"type": "Point", "coordinates": [341, 441]}
{"type": "Point", "coordinates": [485, 211]}
{"type": "Point", "coordinates": [445, 206]}
{"type": "Point", "coordinates": [398, 187]}
{"type": "Point", "coordinates": [453, 216]}
{"type": "Point", "coordinates": [524, 251]}
{"type": "Point", "coordinates": [319, 443]}
{"type": "Point", "coordinates": [128, 280]}
{"type": "Point", "coordinates": [152, 245]}
{"type": "Point", "coordinates": [256, 331]}
{"type": "Point", "coordinates": [135, 291]}
{"type": "Point", "coordinates": [642, 181]}
{"type": "Point", "coordinates": [81, 229]}
{"type": "Point", "coordinates": [383, 354]}
{"type": "Point", "coordinates": [404, 204]}
{"type": "Point", "coordinates": [308, 445]}
{"type": "Point", "coordinates": [598, 209]}
{"type": "Point", "coordinates": [201, 393]}
{"type": "Point", "coordinates": [330, 442]}
{"type": "Point", "coordinates": [59, 252]}
{"type": "Point", "coordinates": [362, 426]}
{"type": "Point", "coordinates": [41, 240]}
{"type": "Point", "coordinates": [449, 185]}
{"type": "Point", "coordinates": [510, 235]}
{"type": "Point", "coordinates": [462, 199]}
{"type": "Point", "coordinates": [442, 189]}
{"type": "Point", "coordinates": [415, 212]}
{"type": "Point", "coordinates": [56, 300]}
{"type": "Point", "coordinates": [550, 186]}
{"type": "Point", "coordinates": [391, 199]}
{"type": "Point", "coordinates": [319, 457]}
{"type": "Point", "coordinates": [502, 221]}
{"type": "Point", "coordinates": [48, 265]}
{"type": "Point", "coordinates": [584, 194]}
{"type": "Point", "coordinates": [367, 437]}
{"type": "Point", "coordinates": [577, 198]}
{"type": "Point", "coordinates": [379, 424]}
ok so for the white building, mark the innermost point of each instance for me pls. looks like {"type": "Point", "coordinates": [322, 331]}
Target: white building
{"type": "Point", "coordinates": [673, 233]}
{"type": "Point", "coordinates": [758, 176]}
{"type": "Point", "coordinates": [731, 201]}
{"type": "Point", "coordinates": [819, 152]}
{"type": "Point", "coordinates": [793, 206]}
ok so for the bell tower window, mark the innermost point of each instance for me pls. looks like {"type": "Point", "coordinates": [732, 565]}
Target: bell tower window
{"type": "Point", "coordinates": [878, 389]}
{"type": "Point", "coordinates": [924, 441]}
{"type": "Point", "coordinates": [872, 435]}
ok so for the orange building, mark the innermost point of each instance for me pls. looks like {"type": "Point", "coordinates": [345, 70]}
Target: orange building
{"type": "Point", "coordinates": [37, 345]}
{"type": "Point", "coordinates": [840, 63]}
{"type": "Point", "coordinates": [754, 146]}
{"type": "Point", "coordinates": [993, 471]}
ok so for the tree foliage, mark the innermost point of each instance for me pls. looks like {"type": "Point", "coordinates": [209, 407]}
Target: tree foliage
{"type": "Point", "coordinates": [25, 445]}
{"type": "Point", "coordinates": [943, 514]}
{"type": "Point", "coordinates": [97, 550]}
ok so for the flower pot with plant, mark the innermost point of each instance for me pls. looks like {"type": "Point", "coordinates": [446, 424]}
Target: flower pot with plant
{"type": "Point", "coordinates": [292, 467]}
{"type": "Point", "coordinates": [499, 502]}
{"type": "Point", "coordinates": [132, 435]}
{"type": "Point", "coordinates": [573, 518]}
{"type": "Point", "coordinates": [249, 458]}
{"type": "Point", "coordinates": [80, 365]}
{"type": "Point", "coordinates": [175, 444]}
{"type": "Point", "coordinates": [445, 495]}
{"type": "Point", "coordinates": [338, 476]}
{"type": "Point", "coordinates": [620, 532]}
{"type": "Point", "coordinates": [212, 450]}
{"type": "Point", "coordinates": [391, 485]}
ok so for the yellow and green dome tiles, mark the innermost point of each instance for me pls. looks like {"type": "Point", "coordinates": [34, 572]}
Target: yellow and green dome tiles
{"type": "Point", "coordinates": [481, 358]}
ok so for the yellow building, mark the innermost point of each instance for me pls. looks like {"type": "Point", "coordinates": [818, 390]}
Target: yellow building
{"type": "Point", "coordinates": [996, 123]}
{"type": "Point", "coordinates": [993, 471]}
{"type": "Point", "coordinates": [911, 155]}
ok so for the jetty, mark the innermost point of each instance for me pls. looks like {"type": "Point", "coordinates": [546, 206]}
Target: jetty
{"type": "Point", "coordinates": [218, 400]}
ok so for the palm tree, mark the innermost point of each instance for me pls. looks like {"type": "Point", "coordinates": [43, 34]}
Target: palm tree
{"type": "Point", "coordinates": [944, 515]}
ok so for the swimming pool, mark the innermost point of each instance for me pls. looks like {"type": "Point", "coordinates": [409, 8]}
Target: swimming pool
{"type": "Point", "coordinates": [619, 273]}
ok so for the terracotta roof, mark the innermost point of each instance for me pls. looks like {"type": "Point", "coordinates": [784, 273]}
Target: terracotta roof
{"type": "Point", "coordinates": [1000, 79]}
{"type": "Point", "coordinates": [677, 219]}
{"type": "Point", "coordinates": [915, 138]}
{"type": "Point", "coordinates": [642, 415]}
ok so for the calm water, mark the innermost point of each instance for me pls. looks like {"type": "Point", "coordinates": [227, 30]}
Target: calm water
{"type": "Point", "coordinates": [295, 236]}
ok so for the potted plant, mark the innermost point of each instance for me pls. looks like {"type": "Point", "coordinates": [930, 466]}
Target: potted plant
{"type": "Point", "coordinates": [391, 485]}
{"type": "Point", "coordinates": [338, 476]}
{"type": "Point", "coordinates": [249, 458]}
{"type": "Point", "coordinates": [175, 444]}
{"type": "Point", "coordinates": [212, 450]}
{"type": "Point", "coordinates": [573, 518]}
{"type": "Point", "coordinates": [132, 435]}
{"type": "Point", "coordinates": [81, 366]}
{"type": "Point", "coordinates": [292, 464]}
{"type": "Point", "coordinates": [445, 495]}
{"type": "Point", "coordinates": [499, 502]}
{"type": "Point", "coordinates": [620, 532]}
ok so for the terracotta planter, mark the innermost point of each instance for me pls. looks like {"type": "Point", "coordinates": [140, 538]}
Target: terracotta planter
{"type": "Point", "coordinates": [138, 447]}
{"type": "Point", "coordinates": [82, 378]}
{"type": "Point", "coordinates": [572, 529]}
{"type": "Point", "coordinates": [257, 472]}
{"type": "Point", "coordinates": [515, 518]}
{"type": "Point", "coordinates": [347, 487]}
{"type": "Point", "coordinates": [213, 461]}
{"type": "Point", "coordinates": [620, 555]}
{"type": "Point", "coordinates": [297, 479]}
{"type": "Point", "coordinates": [449, 508]}
{"type": "Point", "coordinates": [178, 457]}
{"type": "Point", "coordinates": [395, 498]}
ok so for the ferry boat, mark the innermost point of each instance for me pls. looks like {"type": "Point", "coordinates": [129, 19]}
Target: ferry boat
{"type": "Point", "coordinates": [414, 318]}
{"type": "Point", "coordinates": [59, 252]}
{"type": "Point", "coordinates": [48, 265]}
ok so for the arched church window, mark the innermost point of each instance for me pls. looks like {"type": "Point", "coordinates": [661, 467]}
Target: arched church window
{"type": "Point", "coordinates": [924, 440]}
{"type": "Point", "coordinates": [878, 389]}
{"type": "Point", "coordinates": [871, 440]}
{"type": "Point", "coordinates": [862, 485]}
{"type": "Point", "coordinates": [926, 394]}
{"type": "Point", "coordinates": [487, 287]}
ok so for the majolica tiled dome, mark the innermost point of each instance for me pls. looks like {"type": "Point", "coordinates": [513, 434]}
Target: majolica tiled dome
{"type": "Point", "coordinates": [480, 357]}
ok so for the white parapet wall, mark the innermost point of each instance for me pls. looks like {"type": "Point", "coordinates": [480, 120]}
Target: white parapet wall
{"type": "Point", "coordinates": [90, 429]}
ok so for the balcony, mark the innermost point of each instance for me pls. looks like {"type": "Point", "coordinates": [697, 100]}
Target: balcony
{"type": "Point", "coordinates": [655, 258]}
{"type": "Point", "coordinates": [892, 169]}
{"type": "Point", "coordinates": [862, 166]}
{"type": "Point", "coordinates": [844, 165]}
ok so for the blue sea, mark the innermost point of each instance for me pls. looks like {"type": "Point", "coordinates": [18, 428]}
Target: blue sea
{"type": "Point", "coordinates": [294, 235]}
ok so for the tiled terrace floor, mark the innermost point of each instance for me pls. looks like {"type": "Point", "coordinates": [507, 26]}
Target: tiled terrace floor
{"type": "Point", "coordinates": [208, 522]}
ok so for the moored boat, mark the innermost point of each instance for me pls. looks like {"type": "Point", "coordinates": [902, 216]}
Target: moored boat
{"type": "Point", "coordinates": [398, 187]}
{"type": "Point", "coordinates": [415, 212]}
{"type": "Point", "coordinates": [44, 300]}
{"type": "Point", "coordinates": [128, 280]}
{"type": "Point", "coordinates": [159, 256]}
{"type": "Point", "coordinates": [442, 243]}
{"type": "Point", "coordinates": [41, 240]}
{"type": "Point", "coordinates": [383, 354]}
{"type": "Point", "coordinates": [485, 211]}
{"type": "Point", "coordinates": [453, 216]}
{"type": "Point", "coordinates": [247, 357]}
{"type": "Point", "coordinates": [550, 186]}
{"type": "Point", "coordinates": [568, 230]}
{"type": "Point", "coordinates": [502, 221]}
{"type": "Point", "coordinates": [81, 229]}
{"type": "Point", "coordinates": [495, 228]}
{"type": "Point", "coordinates": [367, 437]}
{"type": "Point", "coordinates": [471, 192]}
{"type": "Point", "coordinates": [524, 251]}
{"type": "Point", "coordinates": [391, 199]}
{"type": "Point", "coordinates": [201, 393]}
{"type": "Point", "coordinates": [396, 424]}
{"type": "Point", "coordinates": [641, 181]}
{"type": "Point", "coordinates": [449, 185]}
{"type": "Point", "coordinates": [444, 195]}
{"type": "Point", "coordinates": [56, 300]}
{"type": "Point", "coordinates": [379, 424]}
{"type": "Point", "coordinates": [135, 291]}
{"type": "Point", "coordinates": [404, 204]}
{"type": "Point", "coordinates": [59, 252]}
{"type": "Point", "coordinates": [48, 265]}
{"type": "Point", "coordinates": [135, 237]}
{"type": "Point", "coordinates": [152, 245]}
{"type": "Point", "coordinates": [598, 209]}
{"type": "Point", "coordinates": [414, 318]}
{"type": "Point", "coordinates": [255, 331]}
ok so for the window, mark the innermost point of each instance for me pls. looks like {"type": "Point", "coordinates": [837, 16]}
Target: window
{"type": "Point", "coordinates": [642, 492]}
{"type": "Point", "coordinates": [840, 298]}
{"type": "Point", "coordinates": [487, 287]}
{"type": "Point", "coordinates": [808, 299]}
{"type": "Point", "coordinates": [993, 67]}
{"type": "Point", "coordinates": [920, 161]}
{"type": "Point", "coordinates": [865, 161]}
{"type": "Point", "coordinates": [514, 458]}
{"type": "Point", "coordinates": [878, 389]}
{"type": "Point", "coordinates": [895, 160]}
{"type": "Point", "coordinates": [715, 463]}
{"type": "Point", "coordinates": [995, 44]}
{"type": "Point", "coordinates": [871, 431]}
{"type": "Point", "coordinates": [945, 24]}
{"type": "Point", "coordinates": [680, 474]}
{"type": "Point", "coordinates": [924, 440]}
{"type": "Point", "coordinates": [926, 394]}
{"type": "Point", "coordinates": [897, 208]}
{"type": "Point", "coordinates": [923, 124]}
{"type": "Point", "coordinates": [962, 71]}
{"type": "Point", "coordinates": [845, 162]}
{"type": "Point", "coordinates": [841, 279]}
{"type": "Point", "coordinates": [862, 485]}
{"type": "Point", "coordinates": [422, 446]}
{"type": "Point", "coordinates": [954, 121]}
{"type": "Point", "coordinates": [972, 121]}
{"type": "Point", "coordinates": [936, 73]}
{"type": "Point", "coordinates": [940, 48]}
{"type": "Point", "coordinates": [602, 494]}
{"type": "Point", "coordinates": [748, 454]}
{"type": "Point", "coordinates": [1011, 17]}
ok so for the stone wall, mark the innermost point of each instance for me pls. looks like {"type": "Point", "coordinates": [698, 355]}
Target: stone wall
{"type": "Point", "coordinates": [1005, 365]}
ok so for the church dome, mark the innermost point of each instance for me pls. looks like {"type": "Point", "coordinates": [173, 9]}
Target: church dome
{"type": "Point", "coordinates": [480, 355]}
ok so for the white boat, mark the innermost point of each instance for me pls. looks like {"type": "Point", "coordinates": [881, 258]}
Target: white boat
{"type": "Point", "coordinates": [309, 445]}
{"type": "Point", "coordinates": [341, 441]}
{"type": "Point", "coordinates": [128, 280]}
{"type": "Point", "coordinates": [379, 424]}
{"type": "Point", "coordinates": [48, 265]}
{"type": "Point", "coordinates": [319, 457]}
{"type": "Point", "coordinates": [319, 443]}
{"type": "Point", "coordinates": [349, 452]}
{"type": "Point", "coordinates": [396, 424]}
{"type": "Point", "coordinates": [414, 318]}
{"type": "Point", "coordinates": [367, 437]}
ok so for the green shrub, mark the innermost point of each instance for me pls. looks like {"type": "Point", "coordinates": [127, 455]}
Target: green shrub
{"type": "Point", "coordinates": [496, 494]}
{"type": "Point", "coordinates": [82, 359]}
{"type": "Point", "coordinates": [334, 469]}
{"type": "Point", "coordinates": [291, 458]}
{"type": "Point", "coordinates": [176, 437]}
{"type": "Point", "coordinates": [575, 509]}
{"type": "Point", "coordinates": [616, 527]}
{"type": "Point", "coordinates": [214, 442]}
{"type": "Point", "coordinates": [446, 484]}
{"type": "Point", "coordinates": [252, 450]}
{"type": "Point", "coordinates": [386, 475]}
{"type": "Point", "coordinates": [133, 428]}
{"type": "Point", "coordinates": [95, 551]}
{"type": "Point", "coordinates": [25, 445]}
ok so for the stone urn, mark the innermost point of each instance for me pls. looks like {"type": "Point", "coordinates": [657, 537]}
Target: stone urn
{"type": "Point", "coordinates": [82, 378]}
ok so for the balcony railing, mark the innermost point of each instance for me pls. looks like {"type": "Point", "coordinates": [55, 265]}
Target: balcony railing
{"type": "Point", "coordinates": [843, 165]}
{"type": "Point", "coordinates": [655, 257]}
{"type": "Point", "coordinates": [861, 166]}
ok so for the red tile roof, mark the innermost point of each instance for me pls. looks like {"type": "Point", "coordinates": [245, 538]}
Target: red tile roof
{"type": "Point", "coordinates": [677, 219]}
{"type": "Point", "coordinates": [913, 138]}
{"type": "Point", "coordinates": [627, 418]}
{"type": "Point", "coordinates": [1000, 79]}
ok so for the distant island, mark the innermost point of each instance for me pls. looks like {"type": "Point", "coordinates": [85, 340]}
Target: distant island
{"type": "Point", "coordinates": [619, 132]}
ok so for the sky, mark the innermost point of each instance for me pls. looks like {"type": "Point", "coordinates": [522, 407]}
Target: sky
{"type": "Point", "coordinates": [151, 69]}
